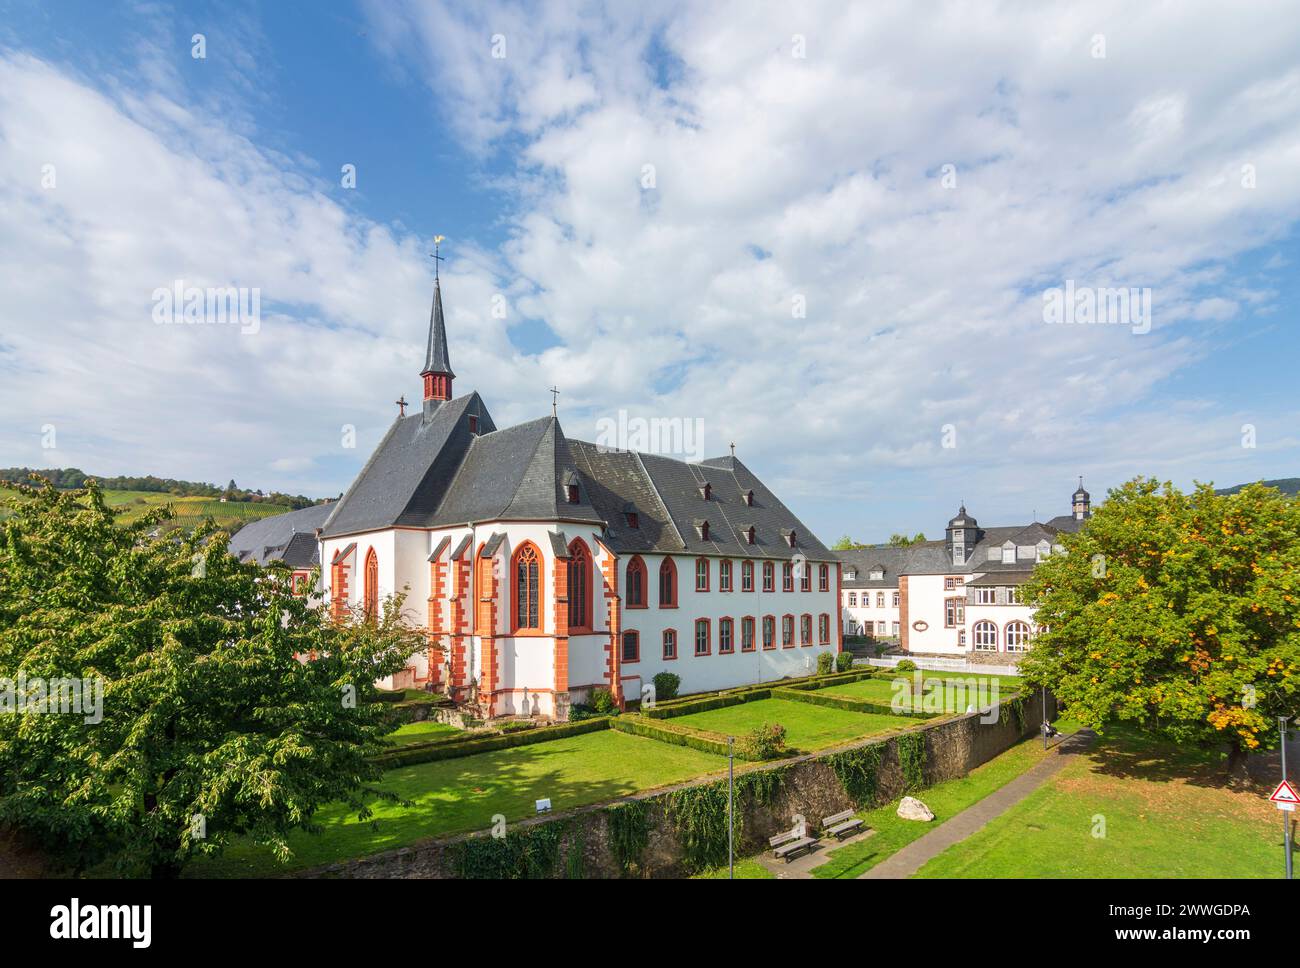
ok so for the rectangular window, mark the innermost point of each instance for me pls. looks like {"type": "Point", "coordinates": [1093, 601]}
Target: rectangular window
{"type": "Point", "coordinates": [1013, 595]}
{"type": "Point", "coordinates": [896, 594]}
{"type": "Point", "coordinates": [895, 630]}
{"type": "Point", "coordinates": [769, 632]}
{"type": "Point", "coordinates": [881, 628]}
{"type": "Point", "coordinates": [805, 578]}
{"type": "Point", "coordinates": [631, 647]}
{"type": "Point", "coordinates": [725, 641]}
{"type": "Point", "coordinates": [853, 599]}
{"type": "Point", "coordinates": [805, 630]}
{"type": "Point", "coordinates": [701, 574]}
{"type": "Point", "coordinates": [824, 578]}
{"type": "Point", "coordinates": [787, 577]}
{"type": "Point", "coordinates": [670, 644]}
{"type": "Point", "coordinates": [824, 629]}
{"type": "Point", "coordinates": [986, 596]}
{"type": "Point", "coordinates": [769, 577]}
{"type": "Point", "coordinates": [949, 584]}
{"type": "Point", "coordinates": [787, 631]}
{"type": "Point", "coordinates": [703, 638]}
{"type": "Point", "coordinates": [747, 576]}
{"type": "Point", "coordinates": [880, 599]}
{"type": "Point", "coordinates": [746, 635]}
{"type": "Point", "coordinates": [724, 576]}
{"type": "Point", "coordinates": [954, 612]}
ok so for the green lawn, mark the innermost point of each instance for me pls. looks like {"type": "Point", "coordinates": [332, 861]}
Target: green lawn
{"type": "Point", "coordinates": [747, 869]}
{"type": "Point", "coordinates": [945, 799]}
{"type": "Point", "coordinates": [807, 727]}
{"type": "Point", "coordinates": [452, 796]}
{"type": "Point", "coordinates": [1166, 812]}
{"type": "Point", "coordinates": [882, 690]}
{"type": "Point", "coordinates": [420, 732]}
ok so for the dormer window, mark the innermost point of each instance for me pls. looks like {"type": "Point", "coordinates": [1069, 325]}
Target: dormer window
{"type": "Point", "coordinates": [473, 424]}
{"type": "Point", "coordinates": [633, 519]}
{"type": "Point", "coordinates": [877, 575]}
{"type": "Point", "coordinates": [701, 528]}
{"type": "Point", "coordinates": [749, 499]}
{"type": "Point", "coordinates": [705, 490]}
{"type": "Point", "coordinates": [573, 493]}
{"type": "Point", "coordinates": [749, 535]}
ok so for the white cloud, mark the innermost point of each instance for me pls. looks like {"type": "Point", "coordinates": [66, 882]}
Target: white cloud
{"type": "Point", "coordinates": [775, 176]}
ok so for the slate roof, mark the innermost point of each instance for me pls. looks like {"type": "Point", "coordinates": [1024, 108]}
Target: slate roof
{"type": "Point", "coordinates": [1007, 575]}
{"type": "Point", "coordinates": [408, 475]}
{"type": "Point", "coordinates": [514, 474]}
{"type": "Point", "coordinates": [890, 560]}
{"type": "Point", "coordinates": [288, 537]}
{"type": "Point", "coordinates": [666, 496]}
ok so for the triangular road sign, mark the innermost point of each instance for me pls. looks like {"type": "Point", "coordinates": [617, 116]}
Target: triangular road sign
{"type": "Point", "coordinates": [1285, 793]}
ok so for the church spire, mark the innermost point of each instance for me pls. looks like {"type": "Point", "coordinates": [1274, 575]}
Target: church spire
{"type": "Point", "coordinates": [437, 364]}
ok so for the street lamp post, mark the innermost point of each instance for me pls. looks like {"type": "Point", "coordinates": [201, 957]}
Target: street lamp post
{"type": "Point", "coordinates": [731, 807]}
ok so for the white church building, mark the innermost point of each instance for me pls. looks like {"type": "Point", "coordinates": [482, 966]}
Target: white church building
{"type": "Point", "coordinates": [544, 567]}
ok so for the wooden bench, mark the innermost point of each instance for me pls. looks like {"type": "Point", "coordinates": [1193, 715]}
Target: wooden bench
{"type": "Point", "coordinates": [839, 825]}
{"type": "Point", "coordinates": [788, 844]}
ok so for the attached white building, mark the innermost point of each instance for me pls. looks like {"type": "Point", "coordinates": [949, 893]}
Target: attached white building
{"type": "Point", "coordinates": [959, 596]}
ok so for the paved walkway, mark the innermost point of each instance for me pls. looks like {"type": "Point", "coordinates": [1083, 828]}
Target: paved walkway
{"type": "Point", "coordinates": [915, 855]}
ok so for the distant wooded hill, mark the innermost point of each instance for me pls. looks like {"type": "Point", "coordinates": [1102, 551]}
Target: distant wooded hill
{"type": "Point", "coordinates": [1287, 485]}
{"type": "Point", "coordinates": [72, 478]}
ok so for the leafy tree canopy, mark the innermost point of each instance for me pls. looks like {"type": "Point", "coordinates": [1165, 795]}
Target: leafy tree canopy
{"type": "Point", "coordinates": [211, 726]}
{"type": "Point", "coordinates": [903, 541]}
{"type": "Point", "coordinates": [1180, 612]}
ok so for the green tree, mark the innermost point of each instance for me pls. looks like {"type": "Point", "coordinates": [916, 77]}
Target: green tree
{"type": "Point", "coordinates": [1179, 612]}
{"type": "Point", "coordinates": [211, 726]}
{"type": "Point", "coordinates": [845, 544]}
{"type": "Point", "coordinates": [903, 541]}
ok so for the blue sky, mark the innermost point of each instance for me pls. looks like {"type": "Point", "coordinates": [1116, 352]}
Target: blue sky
{"type": "Point", "coordinates": [796, 157]}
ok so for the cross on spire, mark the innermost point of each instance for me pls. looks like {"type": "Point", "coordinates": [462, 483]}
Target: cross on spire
{"type": "Point", "coordinates": [401, 404]}
{"type": "Point", "coordinates": [555, 392]}
{"type": "Point", "coordinates": [733, 450]}
{"type": "Point", "coordinates": [437, 241]}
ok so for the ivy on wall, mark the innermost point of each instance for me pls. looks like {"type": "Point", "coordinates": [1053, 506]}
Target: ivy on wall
{"type": "Point", "coordinates": [629, 832]}
{"type": "Point", "coordinates": [911, 758]}
{"type": "Point", "coordinates": [858, 772]}
{"type": "Point", "coordinates": [529, 854]}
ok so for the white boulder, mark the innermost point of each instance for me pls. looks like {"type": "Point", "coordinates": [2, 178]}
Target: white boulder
{"type": "Point", "coordinates": [910, 808]}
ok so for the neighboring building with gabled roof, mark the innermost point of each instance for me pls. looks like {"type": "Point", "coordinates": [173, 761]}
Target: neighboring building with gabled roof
{"type": "Point", "coordinates": [543, 567]}
{"type": "Point", "coordinates": [955, 597]}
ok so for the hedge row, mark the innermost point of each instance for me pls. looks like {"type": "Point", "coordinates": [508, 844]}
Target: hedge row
{"type": "Point", "coordinates": [821, 682]}
{"type": "Point", "coordinates": [429, 752]}
{"type": "Point", "coordinates": [844, 702]}
{"type": "Point", "coordinates": [705, 704]}
{"type": "Point", "coordinates": [696, 739]}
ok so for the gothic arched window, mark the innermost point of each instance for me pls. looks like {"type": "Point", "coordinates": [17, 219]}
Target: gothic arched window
{"type": "Point", "coordinates": [579, 585]}
{"type": "Point", "coordinates": [527, 571]}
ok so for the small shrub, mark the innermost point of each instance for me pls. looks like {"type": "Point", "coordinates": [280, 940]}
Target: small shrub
{"type": "Point", "coordinates": [602, 701]}
{"type": "Point", "coordinates": [579, 711]}
{"type": "Point", "coordinates": [907, 665]}
{"type": "Point", "coordinates": [843, 661]}
{"type": "Point", "coordinates": [825, 663]}
{"type": "Point", "coordinates": [666, 686]}
{"type": "Point", "coordinates": [766, 742]}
